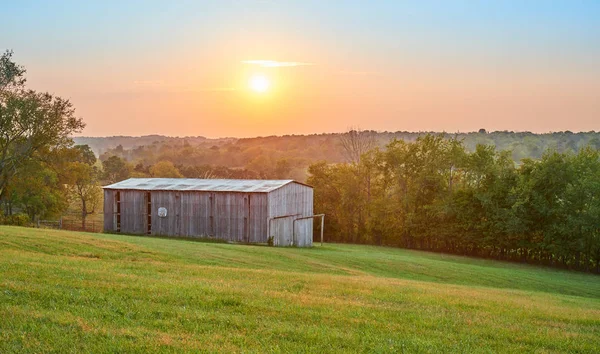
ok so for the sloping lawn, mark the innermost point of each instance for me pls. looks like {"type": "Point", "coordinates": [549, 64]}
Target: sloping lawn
{"type": "Point", "coordinates": [75, 292]}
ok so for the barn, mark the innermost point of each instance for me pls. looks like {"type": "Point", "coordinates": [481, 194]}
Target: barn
{"type": "Point", "coordinates": [234, 210]}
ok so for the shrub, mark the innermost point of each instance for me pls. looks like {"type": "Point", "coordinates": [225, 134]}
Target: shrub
{"type": "Point", "coordinates": [19, 219]}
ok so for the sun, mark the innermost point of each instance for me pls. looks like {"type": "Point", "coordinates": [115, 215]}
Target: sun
{"type": "Point", "coordinates": [259, 83]}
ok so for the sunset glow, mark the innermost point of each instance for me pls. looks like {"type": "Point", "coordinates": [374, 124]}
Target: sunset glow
{"type": "Point", "coordinates": [259, 83]}
{"type": "Point", "coordinates": [219, 68]}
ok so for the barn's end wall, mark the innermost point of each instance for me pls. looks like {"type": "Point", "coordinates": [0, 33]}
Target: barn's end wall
{"type": "Point", "coordinates": [286, 205]}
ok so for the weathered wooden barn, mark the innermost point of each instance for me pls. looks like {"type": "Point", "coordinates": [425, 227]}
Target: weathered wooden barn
{"type": "Point", "coordinates": [233, 210]}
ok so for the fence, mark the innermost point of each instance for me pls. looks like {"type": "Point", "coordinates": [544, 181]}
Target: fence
{"type": "Point", "coordinates": [72, 225]}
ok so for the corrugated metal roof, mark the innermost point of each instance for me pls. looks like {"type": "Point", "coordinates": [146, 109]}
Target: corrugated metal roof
{"type": "Point", "coordinates": [196, 184]}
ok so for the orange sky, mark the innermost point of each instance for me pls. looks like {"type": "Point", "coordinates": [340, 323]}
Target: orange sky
{"type": "Point", "coordinates": [183, 69]}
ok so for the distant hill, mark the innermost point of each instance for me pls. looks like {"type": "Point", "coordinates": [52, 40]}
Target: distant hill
{"type": "Point", "coordinates": [289, 156]}
{"type": "Point", "coordinates": [102, 144]}
{"type": "Point", "coordinates": [522, 144]}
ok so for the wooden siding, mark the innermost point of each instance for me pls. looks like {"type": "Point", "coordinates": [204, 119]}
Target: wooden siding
{"type": "Point", "coordinates": [195, 214]}
{"type": "Point", "coordinates": [109, 211]}
{"type": "Point", "coordinates": [231, 216]}
{"type": "Point", "coordinates": [296, 200]}
{"type": "Point", "coordinates": [171, 224]}
{"type": "Point", "coordinates": [133, 212]}
{"type": "Point", "coordinates": [258, 217]}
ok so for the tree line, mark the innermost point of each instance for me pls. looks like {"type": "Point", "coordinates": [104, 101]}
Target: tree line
{"type": "Point", "coordinates": [289, 156]}
{"type": "Point", "coordinates": [434, 194]}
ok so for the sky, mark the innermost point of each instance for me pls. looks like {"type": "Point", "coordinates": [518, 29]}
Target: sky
{"type": "Point", "coordinates": [185, 68]}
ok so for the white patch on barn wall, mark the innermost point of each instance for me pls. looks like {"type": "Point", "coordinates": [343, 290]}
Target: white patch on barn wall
{"type": "Point", "coordinates": [162, 212]}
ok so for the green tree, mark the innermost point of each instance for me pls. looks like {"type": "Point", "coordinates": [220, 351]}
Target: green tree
{"type": "Point", "coordinates": [85, 154]}
{"type": "Point", "coordinates": [115, 169]}
{"type": "Point", "coordinates": [38, 192]}
{"type": "Point", "coordinates": [165, 169]}
{"type": "Point", "coordinates": [85, 189]}
{"type": "Point", "coordinates": [29, 121]}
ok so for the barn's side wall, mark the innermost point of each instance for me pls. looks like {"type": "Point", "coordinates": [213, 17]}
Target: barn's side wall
{"type": "Point", "coordinates": [195, 214]}
{"type": "Point", "coordinates": [133, 212]}
{"type": "Point", "coordinates": [231, 216]}
{"type": "Point", "coordinates": [109, 201]}
{"type": "Point", "coordinates": [171, 224]}
{"type": "Point", "coordinates": [294, 200]}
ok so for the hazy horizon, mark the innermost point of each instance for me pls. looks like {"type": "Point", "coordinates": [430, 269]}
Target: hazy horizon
{"type": "Point", "coordinates": [326, 133]}
{"type": "Point", "coordinates": [249, 68]}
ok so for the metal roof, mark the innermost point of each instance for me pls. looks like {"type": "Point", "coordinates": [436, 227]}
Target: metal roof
{"type": "Point", "coordinates": [196, 184]}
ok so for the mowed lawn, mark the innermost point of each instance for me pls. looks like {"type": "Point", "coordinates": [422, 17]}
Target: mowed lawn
{"type": "Point", "coordinates": [75, 292]}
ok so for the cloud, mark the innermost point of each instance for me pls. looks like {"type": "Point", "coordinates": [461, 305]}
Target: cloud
{"type": "Point", "coordinates": [275, 63]}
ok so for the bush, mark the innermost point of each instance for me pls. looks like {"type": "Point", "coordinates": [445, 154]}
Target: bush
{"type": "Point", "coordinates": [19, 219]}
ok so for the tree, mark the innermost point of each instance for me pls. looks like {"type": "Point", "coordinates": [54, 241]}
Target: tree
{"type": "Point", "coordinates": [356, 142]}
{"type": "Point", "coordinates": [282, 169]}
{"type": "Point", "coordinates": [38, 192]}
{"type": "Point", "coordinates": [29, 121]}
{"type": "Point", "coordinates": [85, 154]}
{"type": "Point", "coordinates": [165, 169]}
{"type": "Point", "coordinates": [115, 169]}
{"type": "Point", "coordinates": [85, 188]}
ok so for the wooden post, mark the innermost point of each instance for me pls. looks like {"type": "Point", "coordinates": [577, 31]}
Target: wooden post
{"type": "Point", "coordinates": [322, 225]}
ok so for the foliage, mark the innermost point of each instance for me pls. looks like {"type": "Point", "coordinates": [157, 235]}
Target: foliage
{"type": "Point", "coordinates": [433, 194]}
{"type": "Point", "coordinates": [30, 121]}
{"type": "Point", "coordinates": [35, 131]}
{"type": "Point", "coordinates": [85, 188]}
{"type": "Point", "coordinates": [289, 156]}
{"type": "Point", "coordinates": [115, 169]}
{"type": "Point", "coordinates": [39, 192]}
{"type": "Point", "coordinates": [19, 219]}
{"type": "Point", "coordinates": [165, 169]}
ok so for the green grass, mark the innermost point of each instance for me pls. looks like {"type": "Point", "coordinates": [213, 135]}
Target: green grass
{"type": "Point", "coordinates": [76, 292]}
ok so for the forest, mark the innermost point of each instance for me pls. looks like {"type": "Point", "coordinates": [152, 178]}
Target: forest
{"type": "Point", "coordinates": [290, 156]}
{"type": "Point", "coordinates": [433, 194]}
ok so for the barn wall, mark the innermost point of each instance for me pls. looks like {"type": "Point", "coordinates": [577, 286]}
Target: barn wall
{"type": "Point", "coordinates": [292, 199]}
{"type": "Point", "coordinates": [133, 212]}
{"type": "Point", "coordinates": [109, 225]}
{"type": "Point", "coordinates": [240, 217]}
{"type": "Point", "coordinates": [258, 217]}
{"type": "Point", "coordinates": [169, 225]}
{"type": "Point", "coordinates": [195, 214]}
{"type": "Point", "coordinates": [231, 216]}
{"type": "Point", "coordinates": [132, 218]}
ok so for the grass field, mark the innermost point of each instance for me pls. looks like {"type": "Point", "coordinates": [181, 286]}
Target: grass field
{"type": "Point", "coordinates": [75, 292]}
